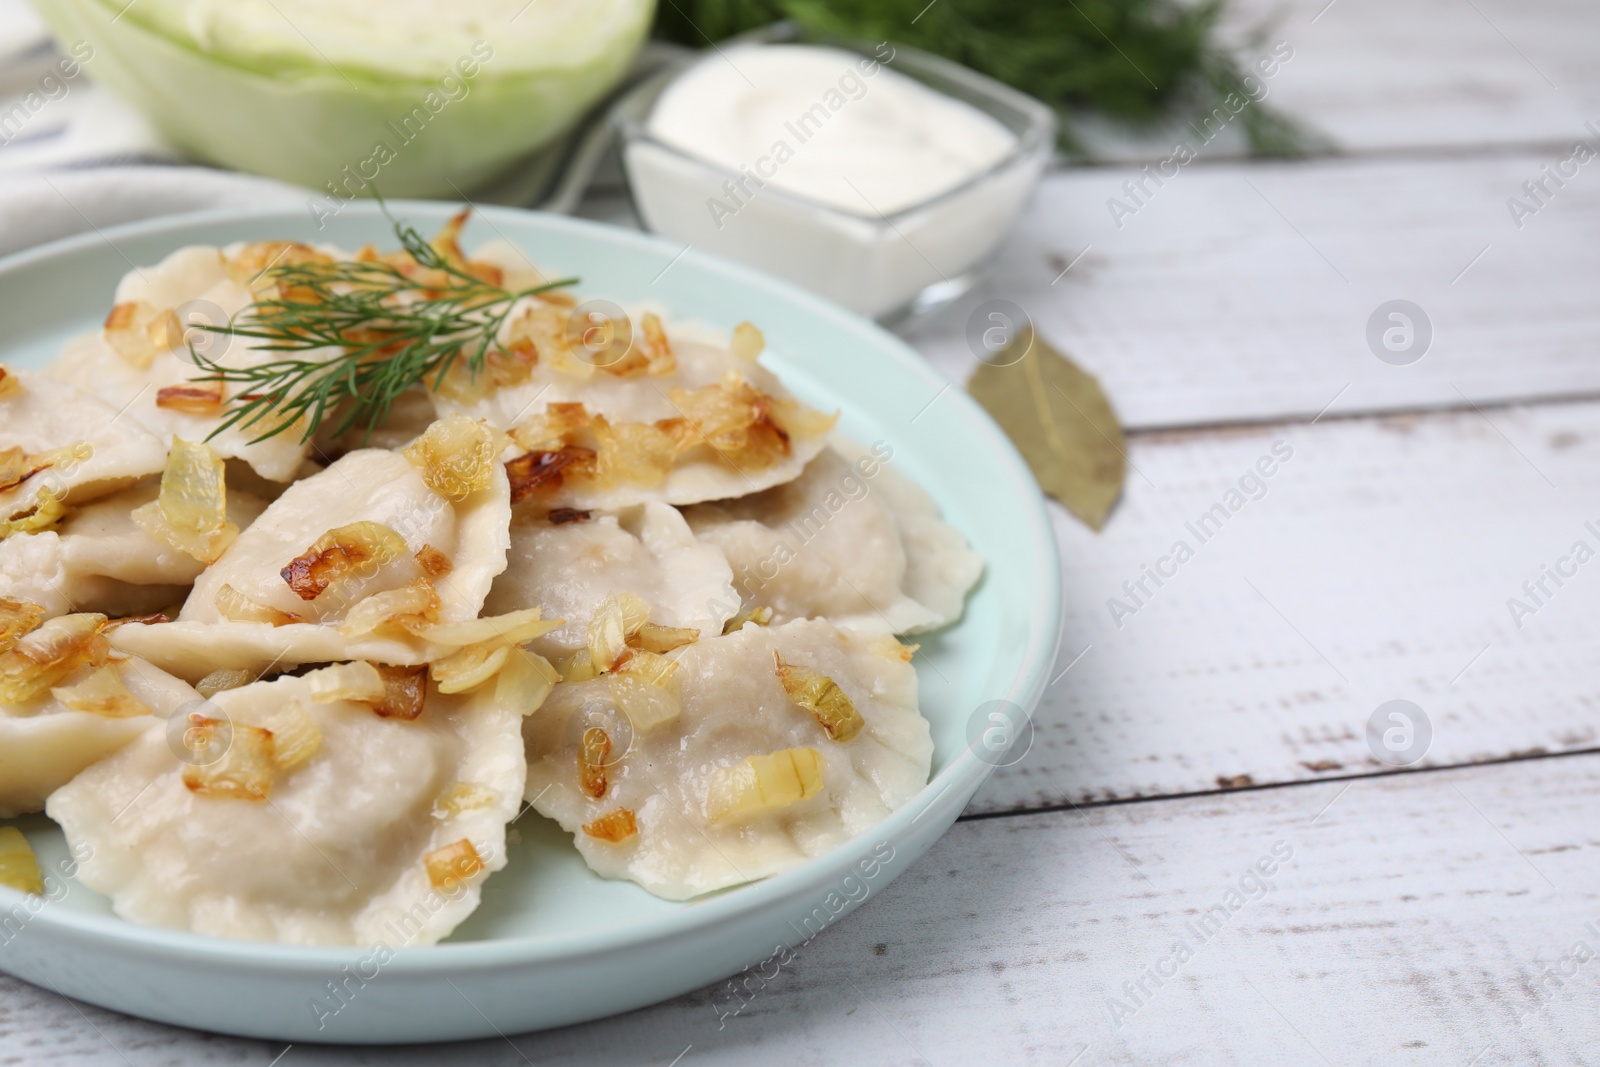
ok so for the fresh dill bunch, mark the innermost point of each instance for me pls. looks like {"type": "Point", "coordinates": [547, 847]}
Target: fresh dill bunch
{"type": "Point", "coordinates": [390, 332]}
{"type": "Point", "coordinates": [1137, 62]}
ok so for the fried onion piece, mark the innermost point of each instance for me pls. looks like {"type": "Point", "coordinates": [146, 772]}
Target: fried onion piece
{"type": "Point", "coordinates": [460, 797]}
{"type": "Point", "coordinates": [761, 616]}
{"type": "Point", "coordinates": [206, 399]}
{"type": "Point", "coordinates": [548, 333]}
{"type": "Point", "coordinates": [525, 681]}
{"type": "Point", "coordinates": [18, 466]}
{"type": "Point", "coordinates": [447, 242]}
{"type": "Point", "coordinates": [822, 697]}
{"type": "Point", "coordinates": [450, 866]}
{"type": "Point", "coordinates": [152, 619]}
{"type": "Point", "coordinates": [544, 470]}
{"type": "Point", "coordinates": [764, 783]}
{"type": "Point", "coordinates": [237, 607]}
{"type": "Point", "coordinates": [250, 264]}
{"type": "Point", "coordinates": [631, 453]}
{"type": "Point", "coordinates": [456, 456]}
{"type": "Point", "coordinates": [645, 350]}
{"type": "Point", "coordinates": [191, 512]}
{"type": "Point", "coordinates": [359, 681]}
{"type": "Point", "coordinates": [434, 564]}
{"type": "Point", "coordinates": [42, 659]}
{"type": "Point", "coordinates": [609, 629]}
{"type": "Point", "coordinates": [470, 667]}
{"type": "Point", "coordinates": [644, 687]}
{"type": "Point", "coordinates": [246, 768]}
{"type": "Point", "coordinates": [46, 510]}
{"type": "Point", "coordinates": [594, 753]}
{"type": "Point", "coordinates": [485, 646]}
{"type": "Point", "coordinates": [658, 356]}
{"type": "Point", "coordinates": [18, 619]}
{"type": "Point", "coordinates": [413, 606]}
{"type": "Point", "coordinates": [734, 418]}
{"type": "Point", "coordinates": [405, 691]}
{"type": "Point", "coordinates": [663, 639]}
{"type": "Point", "coordinates": [356, 550]}
{"type": "Point", "coordinates": [296, 737]}
{"type": "Point", "coordinates": [613, 827]}
{"type": "Point", "coordinates": [512, 628]}
{"type": "Point", "coordinates": [566, 443]}
{"type": "Point", "coordinates": [747, 341]}
{"type": "Point", "coordinates": [19, 867]}
{"type": "Point", "coordinates": [218, 681]}
{"type": "Point", "coordinates": [102, 693]}
{"type": "Point", "coordinates": [578, 667]}
{"type": "Point", "coordinates": [139, 332]}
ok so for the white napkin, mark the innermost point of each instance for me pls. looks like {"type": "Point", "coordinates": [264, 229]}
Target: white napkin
{"type": "Point", "coordinates": [45, 206]}
{"type": "Point", "coordinates": [66, 163]}
{"type": "Point", "coordinates": [21, 32]}
{"type": "Point", "coordinates": [50, 121]}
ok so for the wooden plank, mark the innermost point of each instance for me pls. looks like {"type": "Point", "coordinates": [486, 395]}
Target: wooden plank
{"type": "Point", "coordinates": [1377, 564]}
{"type": "Point", "coordinates": [1416, 919]}
{"type": "Point", "coordinates": [1243, 292]}
{"type": "Point", "coordinates": [1380, 76]}
{"type": "Point", "coordinates": [1425, 77]}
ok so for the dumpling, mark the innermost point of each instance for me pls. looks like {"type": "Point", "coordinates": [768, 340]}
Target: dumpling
{"type": "Point", "coordinates": [64, 445]}
{"type": "Point", "coordinates": [570, 562]}
{"type": "Point", "coordinates": [301, 815]}
{"type": "Point", "coordinates": [366, 486]}
{"type": "Point", "coordinates": [675, 420]}
{"type": "Point", "coordinates": [65, 704]}
{"type": "Point", "coordinates": [139, 361]}
{"type": "Point", "coordinates": [371, 524]}
{"type": "Point", "coordinates": [746, 781]}
{"type": "Point", "coordinates": [100, 559]}
{"type": "Point", "coordinates": [941, 568]}
{"type": "Point", "coordinates": [850, 541]}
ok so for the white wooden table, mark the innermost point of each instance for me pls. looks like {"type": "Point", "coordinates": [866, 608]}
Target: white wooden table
{"type": "Point", "coordinates": [1448, 913]}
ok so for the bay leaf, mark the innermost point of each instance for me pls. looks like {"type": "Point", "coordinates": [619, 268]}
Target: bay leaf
{"type": "Point", "coordinates": [1060, 420]}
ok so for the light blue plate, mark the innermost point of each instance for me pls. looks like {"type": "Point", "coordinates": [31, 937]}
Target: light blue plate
{"type": "Point", "coordinates": [553, 943]}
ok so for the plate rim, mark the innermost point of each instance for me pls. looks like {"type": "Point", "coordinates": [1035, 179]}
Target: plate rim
{"type": "Point", "coordinates": [966, 769]}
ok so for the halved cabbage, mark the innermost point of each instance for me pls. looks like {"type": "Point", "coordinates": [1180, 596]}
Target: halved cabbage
{"type": "Point", "coordinates": [416, 98]}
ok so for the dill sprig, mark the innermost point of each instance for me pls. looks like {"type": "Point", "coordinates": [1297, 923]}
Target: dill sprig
{"type": "Point", "coordinates": [390, 332]}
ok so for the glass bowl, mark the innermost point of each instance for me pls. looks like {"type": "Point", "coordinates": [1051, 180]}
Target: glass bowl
{"type": "Point", "coordinates": [878, 265]}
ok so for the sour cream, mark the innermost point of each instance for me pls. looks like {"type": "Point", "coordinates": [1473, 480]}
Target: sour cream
{"type": "Point", "coordinates": [830, 168]}
{"type": "Point", "coordinates": [831, 126]}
